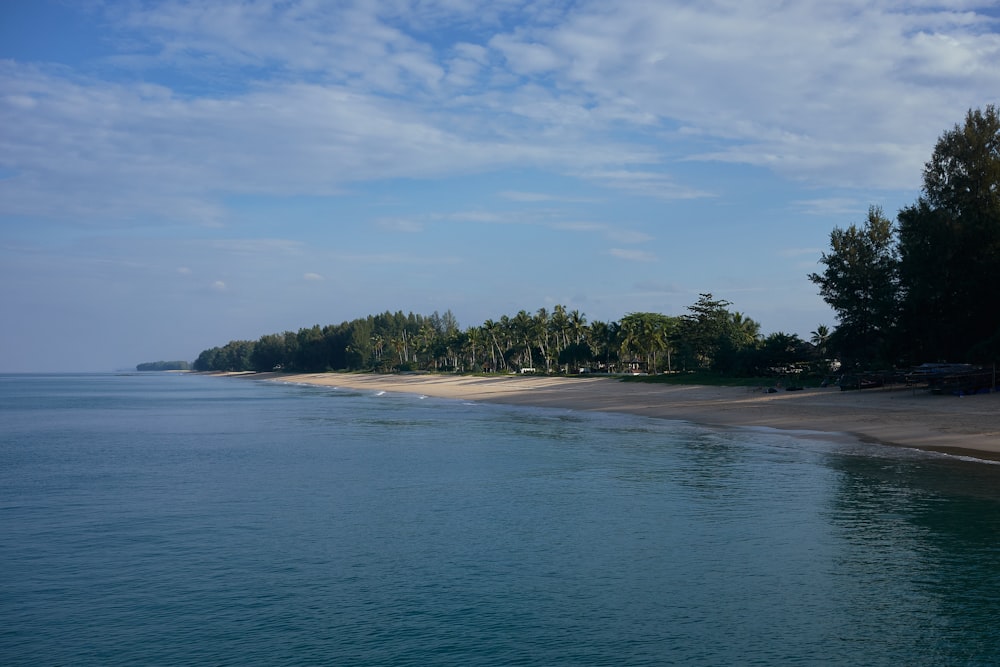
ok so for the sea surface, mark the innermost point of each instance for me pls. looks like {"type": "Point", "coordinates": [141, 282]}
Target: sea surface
{"type": "Point", "coordinates": [167, 519]}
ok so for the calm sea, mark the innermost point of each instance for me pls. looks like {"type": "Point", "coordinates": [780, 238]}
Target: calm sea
{"type": "Point", "coordinates": [169, 519]}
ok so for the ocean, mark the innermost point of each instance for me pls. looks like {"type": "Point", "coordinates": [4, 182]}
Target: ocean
{"type": "Point", "coordinates": [168, 519]}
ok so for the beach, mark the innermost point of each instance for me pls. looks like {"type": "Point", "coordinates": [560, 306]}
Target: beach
{"type": "Point", "coordinates": [905, 417]}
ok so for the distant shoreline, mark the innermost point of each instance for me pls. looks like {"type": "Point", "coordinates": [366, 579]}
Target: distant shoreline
{"type": "Point", "coordinates": [968, 426]}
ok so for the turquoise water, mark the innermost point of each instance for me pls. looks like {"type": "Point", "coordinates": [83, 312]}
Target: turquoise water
{"type": "Point", "coordinates": [176, 519]}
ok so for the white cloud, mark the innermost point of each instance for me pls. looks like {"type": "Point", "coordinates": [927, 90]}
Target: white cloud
{"type": "Point", "coordinates": [525, 57]}
{"type": "Point", "coordinates": [312, 277]}
{"type": "Point", "coordinates": [321, 96]}
{"type": "Point", "coordinates": [219, 286]}
{"type": "Point", "coordinates": [835, 94]}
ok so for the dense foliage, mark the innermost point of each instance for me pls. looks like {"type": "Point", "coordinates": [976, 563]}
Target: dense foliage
{"type": "Point", "coordinates": [925, 290]}
{"type": "Point", "coordinates": [709, 337]}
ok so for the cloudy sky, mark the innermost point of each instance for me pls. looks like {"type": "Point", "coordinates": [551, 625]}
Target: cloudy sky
{"type": "Point", "coordinates": [177, 174]}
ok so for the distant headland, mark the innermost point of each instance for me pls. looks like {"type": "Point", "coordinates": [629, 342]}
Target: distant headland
{"type": "Point", "coordinates": [164, 366]}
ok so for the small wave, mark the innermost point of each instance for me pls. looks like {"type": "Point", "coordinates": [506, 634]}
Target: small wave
{"type": "Point", "coordinates": [958, 457]}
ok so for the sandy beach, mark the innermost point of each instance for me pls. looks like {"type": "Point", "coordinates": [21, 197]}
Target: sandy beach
{"type": "Point", "coordinates": [903, 417]}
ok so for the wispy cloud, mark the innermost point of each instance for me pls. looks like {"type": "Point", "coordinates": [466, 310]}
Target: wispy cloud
{"type": "Point", "coordinates": [831, 206]}
{"type": "Point", "coordinates": [632, 255]}
{"type": "Point", "coordinates": [404, 225]}
{"type": "Point", "coordinates": [529, 197]}
{"type": "Point", "coordinates": [614, 233]}
{"type": "Point", "coordinates": [396, 258]}
{"type": "Point", "coordinates": [255, 247]}
{"type": "Point", "coordinates": [645, 183]}
{"type": "Point", "coordinates": [338, 94]}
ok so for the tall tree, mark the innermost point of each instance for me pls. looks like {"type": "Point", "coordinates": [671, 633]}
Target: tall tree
{"type": "Point", "coordinates": [860, 282]}
{"type": "Point", "coordinates": [950, 247]}
{"type": "Point", "coordinates": [704, 330]}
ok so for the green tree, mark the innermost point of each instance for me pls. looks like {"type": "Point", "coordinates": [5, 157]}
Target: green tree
{"type": "Point", "coordinates": [272, 351]}
{"type": "Point", "coordinates": [820, 338]}
{"type": "Point", "coordinates": [860, 282]}
{"type": "Point", "coordinates": [235, 356]}
{"type": "Point", "coordinates": [737, 339]}
{"type": "Point", "coordinates": [781, 350]}
{"type": "Point", "coordinates": [603, 339]}
{"type": "Point", "coordinates": [311, 350]}
{"type": "Point", "coordinates": [703, 330]}
{"type": "Point", "coordinates": [207, 360]}
{"type": "Point", "coordinates": [645, 336]}
{"type": "Point", "coordinates": [576, 355]}
{"type": "Point", "coordinates": [949, 244]}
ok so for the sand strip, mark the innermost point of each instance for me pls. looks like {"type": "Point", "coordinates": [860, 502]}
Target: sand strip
{"type": "Point", "coordinates": [902, 417]}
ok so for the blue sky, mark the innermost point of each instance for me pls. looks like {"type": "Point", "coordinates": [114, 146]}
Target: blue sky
{"type": "Point", "coordinates": [174, 175]}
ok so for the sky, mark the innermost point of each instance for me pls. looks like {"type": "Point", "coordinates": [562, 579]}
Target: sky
{"type": "Point", "coordinates": [175, 175]}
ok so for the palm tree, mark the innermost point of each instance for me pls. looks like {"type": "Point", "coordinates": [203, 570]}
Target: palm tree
{"type": "Point", "coordinates": [577, 324]}
{"type": "Point", "coordinates": [603, 338]}
{"type": "Point", "coordinates": [491, 331]}
{"type": "Point", "coordinates": [560, 325]}
{"type": "Point", "coordinates": [473, 343]}
{"type": "Point", "coordinates": [647, 334]}
{"type": "Point", "coordinates": [523, 326]}
{"type": "Point", "coordinates": [820, 338]}
{"type": "Point", "coordinates": [541, 332]}
{"type": "Point", "coordinates": [745, 329]}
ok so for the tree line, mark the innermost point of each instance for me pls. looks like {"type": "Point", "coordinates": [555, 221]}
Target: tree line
{"type": "Point", "coordinates": [924, 289]}
{"type": "Point", "coordinates": [708, 337]}
{"type": "Point", "coordinates": [163, 366]}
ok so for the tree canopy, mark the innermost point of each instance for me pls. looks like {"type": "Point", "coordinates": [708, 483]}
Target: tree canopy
{"type": "Point", "coordinates": [556, 341]}
{"type": "Point", "coordinates": [924, 290]}
{"type": "Point", "coordinates": [860, 282]}
{"type": "Point", "coordinates": [163, 366]}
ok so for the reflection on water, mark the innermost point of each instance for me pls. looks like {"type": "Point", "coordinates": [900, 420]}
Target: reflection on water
{"type": "Point", "coordinates": [922, 531]}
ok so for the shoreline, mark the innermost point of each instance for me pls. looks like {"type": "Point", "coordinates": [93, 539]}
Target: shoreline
{"type": "Point", "coordinates": [960, 426]}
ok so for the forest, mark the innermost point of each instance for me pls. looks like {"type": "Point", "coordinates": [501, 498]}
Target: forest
{"type": "Point", "coordinates": [922, 289]}
{"type": "Point", "coordinates": [709, 335]}
{"type": "Point", "coordinates": [925, 288]}
{"type": "Point", "coordinates": [163, 366]}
